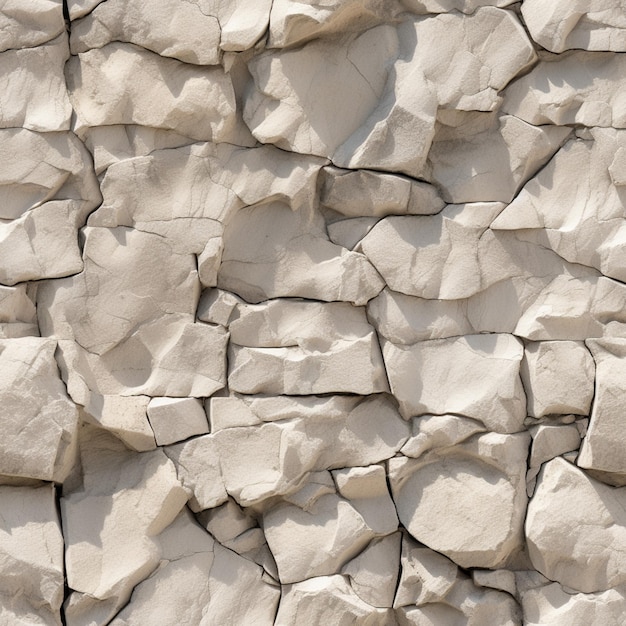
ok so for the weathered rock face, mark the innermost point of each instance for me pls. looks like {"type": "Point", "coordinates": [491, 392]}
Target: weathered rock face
{"type": "Point", "coordinates": [312, 312]}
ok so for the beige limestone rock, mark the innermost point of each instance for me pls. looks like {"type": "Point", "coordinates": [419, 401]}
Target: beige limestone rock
{"type": "Point", "coordinates": [575, 529]}
{"type": "Point", "coordinates": [476, 376]}
{"type": "Point", "coordinates": [328, 600]}
{"type": "Point", "coordinates": [373, 574]}
{"type": "Point", "coordinates": [551, 605]}
{"type": "Point", "coordinates": [31, 557]}
{"type": "Point", "coordinates": [111, 521]}
{"type": "Point", "coordinates": [156, 27]}
{"type": "Point", "coordinates": [486, 157]}
{"type": "Point", "coordinates": [364, 193]}
{"type": "Point", "coordinates": [39, 421]}
{"type": "Point", "coordinates": [175, 419]}
{"type": "Point", "coordinates": [217, 306]}
{"type": "Point", "coordinates": [29, 23]}
{"type": "Point", "coordinates": [120, 84]}
{"type": "Point", "coordinates": [445, 6]}
{"type": "Point", "coordinates": [602, 448]}
{"type": "Point", "coordinates": [200, 581]}
{"type": "Point", "coordinates": [318, 542]}
{"type": "Point", "coordinates": [563, 25]}
{"type": "Point", "coordinates": [349, 233]}
{"type": "Point", "coordinates": [298, 347]}
{"type": "Point", "coordinates": [501, 579]}
{"type": "Point", "coordinates": [33, 93]}
{"type": "Point", "coordinates": [264, 244]}
{"type": "Point", "coordinates": [558, 377]}
{"type": "Point", "coordinates": [577, 88]}
{"type": "Point", "coordinates": [18, 315]}
{"type": "Point", "coordinates": [445, 498]}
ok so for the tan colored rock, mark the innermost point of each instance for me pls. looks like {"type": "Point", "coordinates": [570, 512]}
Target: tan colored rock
{"type": "Point", "coordinates": [217, 306]}
{"type": "Point", "coordinates": [38, 420]}
{"type": "Point", "coordinates": [486, 157]}
{"type": "Point", "coordinates": [119, 84]}
{"type": "Point", "coordinates": [563, 25]}
{"type": "Point", "coordinates": [445, 498]}
{"type": "Point", "coordinates": [31, 561]}
{"type": "Point", "coordinates": [575, 529]}
{"type": "Point", "coordinates": [558, 377]}
{"type": "Point", "coordinates": [577, 88]}
{"type": "Point", "coordinates": [551, 605]}
{"type": "Point", "coordinates": [297, 348]}
{"type": "Point", "coordinates": [111, 521]}
{"type": "Point", "coordinates": [175, 419]}
{"type": "Point", "coordinates": [476, 376]}
{"type": "Point", "coordinates": [329, 600]}
{"type": "Point", "coordinates": [602, 447]}
{"type": "Point", "coordinates": [445, 6]}
{"type": "Point", "coordinates": [33, 93]}
{"type": "Point", "coordinates": [502, 579]}
{"type": "Point", "coordinates": [18, 315]}
{"type": "Point", "coordinates": [29, 23]}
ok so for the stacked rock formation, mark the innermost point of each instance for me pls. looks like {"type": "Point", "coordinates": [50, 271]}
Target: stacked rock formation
{"type": "Point", "coordinates": [312, 312]}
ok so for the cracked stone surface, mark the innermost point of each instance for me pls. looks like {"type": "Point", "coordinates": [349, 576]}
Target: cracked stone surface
{"type": "Point", "coordinates": [312, 312]}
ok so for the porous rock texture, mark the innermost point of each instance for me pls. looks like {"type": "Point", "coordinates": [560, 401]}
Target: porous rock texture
{"type": "Point", "coordinates": [312, 312]}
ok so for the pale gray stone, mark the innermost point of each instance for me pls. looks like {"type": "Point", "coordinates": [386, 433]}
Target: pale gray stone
{"type": "Point", "coordinates": [29, 23]}
{"type": "Point", "coordinates": [175, 419]}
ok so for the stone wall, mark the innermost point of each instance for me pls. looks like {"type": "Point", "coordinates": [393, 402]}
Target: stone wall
{"type": "Point", "coordinates": [312, 312]}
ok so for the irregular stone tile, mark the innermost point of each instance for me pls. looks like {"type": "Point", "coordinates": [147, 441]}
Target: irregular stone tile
{"type": "Point", "coordinates": [156, 28]}
{"type": "Point", "coordinates": [263, 244]}
{"type": "Point", "coordinates": [38, 419]}
{"type": "Point", "coordinates": [578, 88]}
{"type": "Point", "coordinates": [296, 348]}
{"type": "Point", "coordinates": [227, 521]}
{"type": "Point", "coordinates": [201, 582]}
{"type": "Point", "coordinates": [445, 498]}
{"type": "Point", "coordinates": [476, 376]}
{"type": "Point", "coordinates": [501, 579]}
{"type": "Point", "coordinates": [292, 23]}
{"type": "Point", "coordinates": [217, 306]}
{"type": "Point", "coordinates": [31, 566]}
{"type": "Point", "coordinates": [18, 315]}
{"type": "Point", "coordinates": [558, 377]}
{"type": "Point", "coordinates": [439, 431]}
{"type": "Point", "coordinates": [602, 448]}
{"type": "Point", "coordinates": [392, 79]}
{"type": "Point", "coordinates": [33, 93]}
{"type": "Point", "coordinates": [328, 600]}
{"type": "Point", "coordinates": [551, 605]}
{"type": "Point", "coordinates": [119, 83]}
{"type": "Point", "coordinates": [592, 230]}
{"type": "Point", "coordinates": [243, 22]}
{"type": "Point", "coordinates": [575, 529]}
{"type": "Point", "coordinates": [565, 25]}
{"type": "Point", "coordinates": [348, 233]}
{"type": "Point", "coordinates": [317, 484]}
{"type": "Point", "coordinates": [488, 157]}
{"type": "Point", "coordinates": [373, 574]}
{"type": "Point", "coordinates": [372, 194]}
{"type": "Point", "coordinates": [175, 419]}
{"type": "Point", "coordinates": [317, 542]}
{"type": "Point", "coordinates": [111, 521]}
{"type": "Point", "coordinates": [439, 252]}
{"type": "Point", "coordinates": [258, 462]}
{"type": "Point", "coordinates": [197, 463]}
{"type": "Point", "coordinates": [445, 6]}
{"type": "Point", "coordinates": [78, 8]}
{"type": "Point", "coordinates": [30, 23]}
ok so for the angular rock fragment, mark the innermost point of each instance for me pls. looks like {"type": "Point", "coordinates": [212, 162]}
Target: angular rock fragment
{"type": "Point", "coordinates": [157, 28]}
{"type": "Point", "coordinates": [591, 230]}
{"type": "Point", "coordinates": [33, 93]}
{"type": "Point", "coordinates": [558, 377]}
{"type": "Point", "coordinates": [38, 420]}
{"type": "Point", "coordinates": [485, 157]}
{"type": "Point", "coordinates": [175, 419]}
{"type": "Point", "coordinates": [575, 529]}
{"type": "Point", "coordinates": [563, 25]}
{"type": "Point", "coordinates": [31, 562]}
{"type": "Point", "coordinates": [603, 448]}
{"type": "Point", "coordinates": [119, 84]}
{"type": "Point", "coordinates": [30, 23]}
{"type": "Point", "coordinates": [264, 244]}
{"type": "Point", "coordinates": [319, 541]}
{"type": "Point", "coordinates": [364, 193]}
{"type": "Point", "coordinates": [327, 599]}
{"type": "Point", "coordinates": [200, 581]}
{"type": "Point", "coordinates": [445, 6]}
{"type": "Point", "coordinates": [18, 315]}
{"type": "Point", "coordinates": [551, 605]}
{"type": "Point", "coordinates": [445, 498]}
{"type": "Point", "coordinates": [578, 88]}
{"type": "Point", "coordinates": [111, 521]}
{"type": "Point", "coordinates": [476, 376]}
{"type": "Point", "coordinates": [243, 22]}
